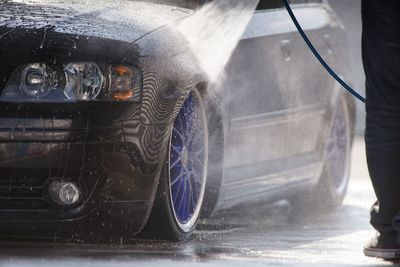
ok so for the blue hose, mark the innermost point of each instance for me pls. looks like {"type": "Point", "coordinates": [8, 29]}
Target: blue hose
{"type": "Point", "coordinates": [319, 57]}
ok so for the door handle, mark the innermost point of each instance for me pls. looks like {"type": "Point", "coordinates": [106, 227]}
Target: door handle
{"type": "Point", "coordinates": [328, 43]}
{"type": "Point", "coordinates": [286, 50]}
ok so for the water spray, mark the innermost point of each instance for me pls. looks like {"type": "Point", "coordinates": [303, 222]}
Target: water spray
{"type": "Point", "coordinates": [232, 17]}
{"type": "Point", "coordinates": [318, 56]}
{"type": "Point", "coordinates": [214, 31]}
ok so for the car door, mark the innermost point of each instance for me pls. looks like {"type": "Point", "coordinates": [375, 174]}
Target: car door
{"type": "Point", "coordinates": [273, 101]}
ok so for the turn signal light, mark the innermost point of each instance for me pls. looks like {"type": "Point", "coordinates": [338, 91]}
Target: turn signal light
{"type": "Point", "coordinates": [124, 80]}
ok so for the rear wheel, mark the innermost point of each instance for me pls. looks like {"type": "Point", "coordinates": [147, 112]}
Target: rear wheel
{"type": "Point", "coordinates": [335, 177]}
{"type": "Point", "coordinates": [333, 183]}
{"type": "Point", "coordinates": [182, 183]}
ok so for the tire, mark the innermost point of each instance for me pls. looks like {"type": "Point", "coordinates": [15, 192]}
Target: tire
{"type": "Point", "coordinates": [335, 178]}
{"type": "Point", "coordinates": [333, 183]}
{"type": "Point", "coordinates": [215, 155]}
{"type": "Point", "coordinates": [182, 185]}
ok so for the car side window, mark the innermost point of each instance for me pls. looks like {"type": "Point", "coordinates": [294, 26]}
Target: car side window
{"type": "Point", "coordinates": [304, 1]}
{"type": "Point", "coordinates": [271, 4]}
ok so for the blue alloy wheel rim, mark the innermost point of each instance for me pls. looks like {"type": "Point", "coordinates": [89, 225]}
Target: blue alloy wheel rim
{"type": "Point", "coordinates": [338, 148]}
{"type": "Point", "coordinates": [187, 161]}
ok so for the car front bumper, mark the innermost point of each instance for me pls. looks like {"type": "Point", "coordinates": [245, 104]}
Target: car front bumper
{"type": "Point", "coordinates": [105, 148]}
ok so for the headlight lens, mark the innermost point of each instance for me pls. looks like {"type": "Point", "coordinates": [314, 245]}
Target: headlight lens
{"type": "Point", "coordinates": [37, 80]}
{"type": "Point", "coordinates": [84, 81]}
{"type": "Point", "coordinates": [73, 82]}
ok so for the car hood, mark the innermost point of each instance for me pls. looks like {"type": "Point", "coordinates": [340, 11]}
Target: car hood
{"type": "Point", "coordinates": [121, 20]}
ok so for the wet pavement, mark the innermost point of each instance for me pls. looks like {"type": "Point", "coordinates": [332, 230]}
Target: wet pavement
{"type": "Point", "coordinates": [263, 236]}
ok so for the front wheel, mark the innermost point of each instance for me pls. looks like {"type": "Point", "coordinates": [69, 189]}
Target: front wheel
{"type": "Point", "coordinates": [182, 183]}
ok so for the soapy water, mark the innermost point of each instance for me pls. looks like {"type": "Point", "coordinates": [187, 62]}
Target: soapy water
{"type": "Point", "coordinates": [214, 31]}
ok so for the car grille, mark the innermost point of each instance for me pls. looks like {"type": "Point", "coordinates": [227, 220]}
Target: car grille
{"type": "Point", "coordinates": [20, 190]}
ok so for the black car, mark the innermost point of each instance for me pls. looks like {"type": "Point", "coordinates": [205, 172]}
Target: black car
{"type": "Point", "coordinates": [108, 126]}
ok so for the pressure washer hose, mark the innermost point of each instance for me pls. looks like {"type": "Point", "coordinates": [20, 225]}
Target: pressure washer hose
{"type": "Point", "coordinates": [318, 56]}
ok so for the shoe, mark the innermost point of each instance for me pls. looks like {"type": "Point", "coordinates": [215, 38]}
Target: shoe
{"type": "Point", "coordinates": [383, 246]}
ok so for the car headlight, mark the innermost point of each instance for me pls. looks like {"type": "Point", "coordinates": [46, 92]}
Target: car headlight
{"type": "Point", "coordinates": [84, 81]}
{"type": "Point", "coordinates": [37, 80]}
{"type": "Point", "coordinates": [73, 82]}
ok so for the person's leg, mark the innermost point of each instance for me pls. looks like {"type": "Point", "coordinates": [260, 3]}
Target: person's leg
{"type": "Point", "coordinates": [381, 56]}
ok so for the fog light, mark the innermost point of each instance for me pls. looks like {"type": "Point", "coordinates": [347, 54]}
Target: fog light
{"type": "Point", "coordinates": [64, 193]}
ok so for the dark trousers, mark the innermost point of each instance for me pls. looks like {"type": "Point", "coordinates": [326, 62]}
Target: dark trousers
{"type": "Point", "coordinates": [381, 56]}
